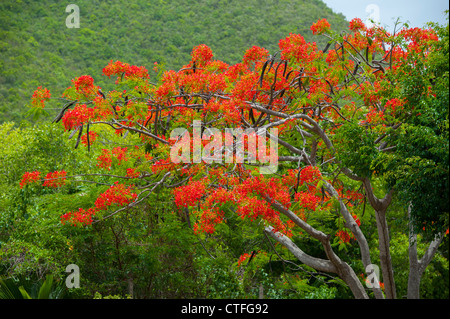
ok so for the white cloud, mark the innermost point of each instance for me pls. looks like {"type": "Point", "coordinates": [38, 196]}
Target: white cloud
{"type": "Point", "coordinates": [416, 12]}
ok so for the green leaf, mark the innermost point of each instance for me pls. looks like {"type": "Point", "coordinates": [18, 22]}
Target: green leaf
{"type": "Point", "coordinates": [36, 112]}
{"type": "Point", "coordinates": [24, 293]}
{"type": "Point", "coordinates": [9, 289]}
{"type": "Point", "coordinates": [44, 291]}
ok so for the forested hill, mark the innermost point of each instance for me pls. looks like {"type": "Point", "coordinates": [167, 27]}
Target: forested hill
{"type": "Point", "coordinates": [36, 47]}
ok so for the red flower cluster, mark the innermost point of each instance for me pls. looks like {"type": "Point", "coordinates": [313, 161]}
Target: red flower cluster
{"type": "Point", "coordinates": [344, 236]}
{"type": "Point", "coordinates": [102, 107]}
{"type": "Point", "coordinates": [368, 281]}
{"type": "Point", "coordinates": [217, 66]}
{"type": "Point", "coordinates": [55, 179]}
{"type": "Point", "coordinates": [197, 82]}
{"type": "Point", "coordinates": [80, 217]}
{"type": "Point", "coordinates": [253, 208]}
{"type": "Point", "coordinates": [131, 172]}
{"type": "Point", "coordinates": [118, 194]}
{"type": "Point", "coordinates": [245, 89]}
{"type": "Point", "coordinates": [394, 105]}
{"type": "Point", "coordinates": [39, 97]}
{"type": "Point", "coordinates": [115, 68]}
{"type": "Point", "coordinates": [374, 116]}
{"type": "Point", "coordinates": [307, 200]}
{"type": "Point", "coordinates": [84, 84]}
{"type": "Point", "coordinates": [419, 39]}
{"type": "Point", "coordinates": [295, 48]}
{"type": "Point", "coordinates": [358, 222]}
{"type": "Point", "coordinates": [272, 188]}
{"type": "Point", "coordinates": [255, 54]}
{"type": "Point", "coordinates": [163, 165]}
{"type": "Point", "coordinates": [242, 258]}
{"type": "Point", "coordinates": [309, 176]}
{"type": "Point", "coordinates": [168, 87]}
{"type": "Point", "coordinates": [105, 160]}
{"type": "Point", "coordinates": [189, 194]}
{"type": "Point", "coordinates": [120, 153]}
{"type": "Point", "coordinates": [231, 112]}
{"type": "Point", "coordinates": [209, 219]}
{"type": "Point", "coordinates": [129, 71]}
{"type": "Point", "coordinates": [30, 177]}
{"type": "Point", "coordinates": [77, 116]}
{"type": "Point", "coordinates": [136, 72]}
{"type": "Point", "coordinates": [92, 138]}
{"type": "Point", "coordinates": [201, 54]}
{"type": "Point", "coordinates": [235, 71]}
{"type": "Point", "coordinates": [353, 197]}
{"type": "Point", "coordinates": [356, 25]}
{"type": "Point", "coordinates": [247, 197]}
{"type": "Point", "coordinates": [320, 27]}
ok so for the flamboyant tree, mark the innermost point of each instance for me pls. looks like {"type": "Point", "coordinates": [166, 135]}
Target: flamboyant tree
{"type": "Point", "coordinates": [348, 122]}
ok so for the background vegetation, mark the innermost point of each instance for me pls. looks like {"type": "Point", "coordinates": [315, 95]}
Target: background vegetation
{"type": "Point", "coordinates": [38, 49]}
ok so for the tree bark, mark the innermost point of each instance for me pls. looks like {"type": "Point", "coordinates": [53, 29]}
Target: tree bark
{"type": "Point", "coordinates": [313, 262]}
{"type": "Point", "coordinates": [416, 266]}
{"type": "Point", "coordinates": [336, 266]}
{"type": "Point", "coordinates": [131, 286]}
{"type": "Point", "coordinates": [414, 277]}
{"type": "Point", "coordinates": [385, 255]}
{"type": "Point", "coordinates": [360, 238]}
{"type": "Point", "coordinates": [333, 264]}
{"type": "Point", "coordinates": [380, 206]}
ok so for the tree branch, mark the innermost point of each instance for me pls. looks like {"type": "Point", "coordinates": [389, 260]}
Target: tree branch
{"type": "Point", "coordinates": [316, 263]}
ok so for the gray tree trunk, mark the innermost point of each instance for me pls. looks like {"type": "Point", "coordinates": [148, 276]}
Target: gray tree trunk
{"type": "Point", "coordinates": [417, 266]}
{"type": "Point", "coordinates": [336, 266]}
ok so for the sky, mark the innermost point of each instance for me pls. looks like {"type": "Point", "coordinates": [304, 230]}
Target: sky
{"type": "Point", "coordinates": [416, 12]}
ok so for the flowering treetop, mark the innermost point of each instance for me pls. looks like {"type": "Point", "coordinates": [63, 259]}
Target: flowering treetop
{"type": "Point", "coordinates": [337, 110]}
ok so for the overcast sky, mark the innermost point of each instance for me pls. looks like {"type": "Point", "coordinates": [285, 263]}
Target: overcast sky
{"type": "Point", "coordinates": [416, 12]}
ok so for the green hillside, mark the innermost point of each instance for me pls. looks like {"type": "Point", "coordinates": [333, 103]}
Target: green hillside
{"type": "Point", "coordinates": [36, 47]}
